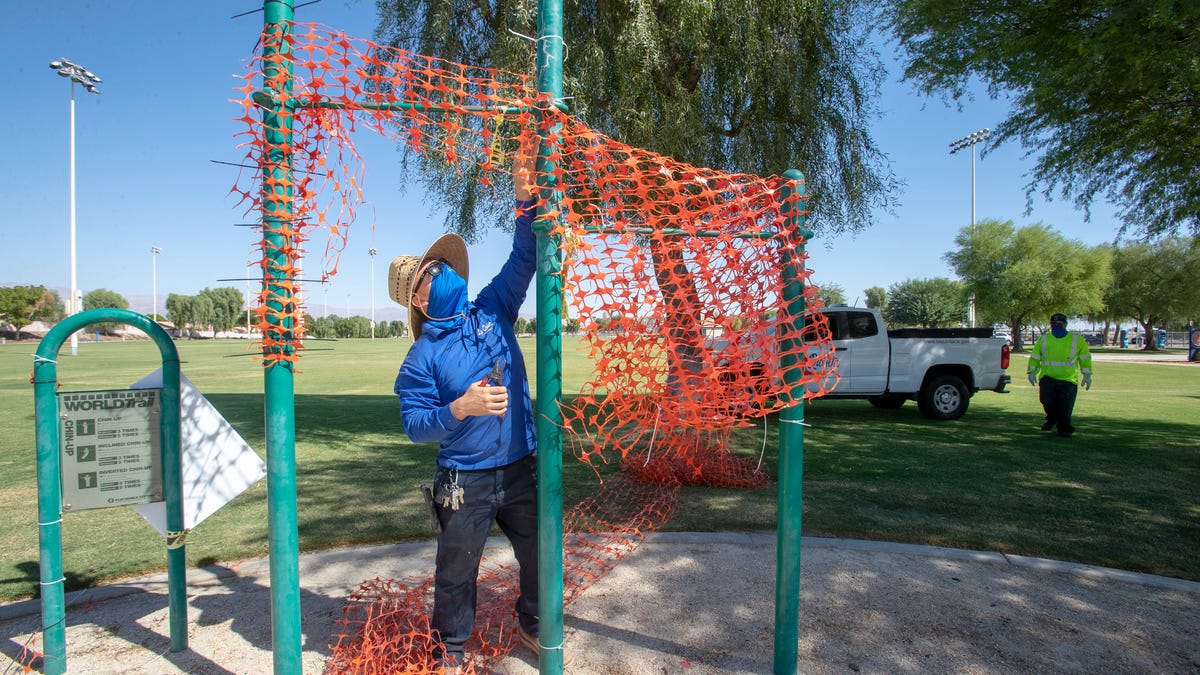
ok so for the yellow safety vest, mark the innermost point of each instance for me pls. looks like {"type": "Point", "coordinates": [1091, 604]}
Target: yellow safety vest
{"type": "Point", "coordinates": [1060, 358]}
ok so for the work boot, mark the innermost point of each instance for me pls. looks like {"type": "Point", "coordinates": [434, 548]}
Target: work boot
{"type": "Point", "coordinates": [449, 665]}
{"type": "Point", "coordinates": [531, 640]}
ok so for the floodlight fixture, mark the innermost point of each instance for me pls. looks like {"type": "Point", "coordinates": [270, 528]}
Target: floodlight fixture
{"type": "Point", "coordinates": [970, 140]}
{"type": "Point", "coordinates": [77, 73]}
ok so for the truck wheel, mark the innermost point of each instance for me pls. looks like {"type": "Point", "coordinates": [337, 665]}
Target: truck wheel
{"type": "Point", "coordinates": [887, 402]}
{"type": "Point", "coordinates": [945, 397]}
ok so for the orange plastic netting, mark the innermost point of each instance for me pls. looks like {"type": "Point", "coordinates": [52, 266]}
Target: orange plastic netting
{"type": "Point", "coordinates": [688, 285]}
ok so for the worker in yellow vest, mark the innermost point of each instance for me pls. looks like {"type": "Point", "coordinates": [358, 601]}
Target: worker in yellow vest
{"type": "Point", "coordinates": [1060, 357]}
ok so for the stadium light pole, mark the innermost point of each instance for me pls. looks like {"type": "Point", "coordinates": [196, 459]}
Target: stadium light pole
{"type": "Point", "coordinates": [373, 251]}
{"type": "Point", "coordinates": [89, 80]}
{"type": "Point", "coordinates": [970, 141]}
{"type": "Point", "coordinates": [154, 253]}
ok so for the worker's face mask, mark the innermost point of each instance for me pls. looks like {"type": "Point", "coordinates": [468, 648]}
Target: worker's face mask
{"type": "Point", "coordinates": [447, 298]}
{"type": "Point", "coordinates": [1058, 331]}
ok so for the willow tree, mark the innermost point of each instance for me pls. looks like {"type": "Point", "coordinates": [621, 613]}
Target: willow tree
{"type": "Point", "coordinates": [1104, 93]}
{"type": "Point", "coordinates": [756, 86]}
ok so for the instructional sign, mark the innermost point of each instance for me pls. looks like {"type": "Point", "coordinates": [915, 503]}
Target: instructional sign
{"type": "Point", "coordinates": [110, 448]}
{"type": "Point", "coordinates": [217, 464]}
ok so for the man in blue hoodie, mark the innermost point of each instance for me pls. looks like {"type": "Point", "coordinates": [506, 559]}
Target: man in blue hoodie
{"type": "Point", "coordinates": [463, 385]}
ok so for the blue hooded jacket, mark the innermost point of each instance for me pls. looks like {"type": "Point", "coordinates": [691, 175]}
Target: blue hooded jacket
{"type": "Point", "coordinates": [444, 362]}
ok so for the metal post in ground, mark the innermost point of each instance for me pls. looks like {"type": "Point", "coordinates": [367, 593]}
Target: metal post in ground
{"type": "Point", "coordinates": [549, 373]}
{"type": "Point", "coordinates": [278, 340]}
{"type": "Point", "coordinates": [791, 439]}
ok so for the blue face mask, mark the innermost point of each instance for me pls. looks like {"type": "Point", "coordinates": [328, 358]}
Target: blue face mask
{"type": "Point", "coordinates": [1058, 331]}
{"type": "Point", "coordinates": [447, 299]}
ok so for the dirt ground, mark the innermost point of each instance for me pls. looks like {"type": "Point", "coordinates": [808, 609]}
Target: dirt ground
{"type": "Point", "coordinates": [688, 603]}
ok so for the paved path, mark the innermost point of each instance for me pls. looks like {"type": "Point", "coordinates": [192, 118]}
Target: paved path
{"type": "Point", "coordinates": [690, 603]}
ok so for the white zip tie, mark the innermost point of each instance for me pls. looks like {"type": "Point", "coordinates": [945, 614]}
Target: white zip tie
{"type": "Point", "coordinates": [42, 359]}
{"type": "Point", "coordinates": [653, 436]}
{"type": "Point", "coordinates": [550, 649]}
{"type": "Point", "coordinates": [763, 453]}
{"type": "Point", "coordinates": [566, 51]}
{"type": "Point", "coordinates": [51, 583]}
{"type": "Point", "coordinates": [803, 424]}
{"type": "Point", "coordinates": [53, 522]}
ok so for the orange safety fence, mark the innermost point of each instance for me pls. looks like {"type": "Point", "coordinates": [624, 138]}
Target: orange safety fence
{"type": "Point", "coordinates": [677, 275]}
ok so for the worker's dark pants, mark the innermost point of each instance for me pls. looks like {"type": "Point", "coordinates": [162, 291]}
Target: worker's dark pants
{"type": "Point", "coordinates": [508, 497]}
{"type": "Point", "coordinates": [1058, 400]}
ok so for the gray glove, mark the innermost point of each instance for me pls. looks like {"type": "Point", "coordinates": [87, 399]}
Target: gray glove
{"type": "Point", "coordinates": [1087, 382]}
{"type": "Point", "coordinates": [1033, 379]}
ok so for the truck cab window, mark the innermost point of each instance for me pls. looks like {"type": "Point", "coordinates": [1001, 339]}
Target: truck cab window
{"type": "Point", "coordinates": [837, 325]}
{"type": "Point", "coordinates": [861, 325]}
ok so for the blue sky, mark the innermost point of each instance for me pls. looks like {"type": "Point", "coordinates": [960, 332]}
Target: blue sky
{"type": "Point", "coordinates": [145, 177]}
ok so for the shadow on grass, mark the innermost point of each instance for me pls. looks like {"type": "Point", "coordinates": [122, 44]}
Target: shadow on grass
{"type": "Point", "coordinates": [1120, 493]}
{"type": "Point", "coordinates": [358, 474]}
{"type": "Point", "coordinates": [31, 574]}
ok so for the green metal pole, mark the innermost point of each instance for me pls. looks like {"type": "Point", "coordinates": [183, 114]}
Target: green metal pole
{"type": "Point", "coordinates": [172, 469]}
{"type": "Point", "coordinates": [54, 618]}
{"type": "Point", "coordinates": [45, 383]}
{"type": "Point", "coordinates": [279, 378]}
{"type": "Point", "coordinates": [791, 446]}
{"type": "Point", "coordinates": [549, 375]}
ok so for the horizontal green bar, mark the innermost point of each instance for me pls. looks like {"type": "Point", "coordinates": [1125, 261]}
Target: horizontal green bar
{"type": "Point", "coordinates": [674, 230]}
{"type": "Point", "coordinates": [268, 100]}
{"type": "Point", "coordinates": [333, 105]}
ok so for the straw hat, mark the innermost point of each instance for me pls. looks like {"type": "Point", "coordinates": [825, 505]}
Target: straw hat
{"type": "Point", "coordinates": [402, 274]}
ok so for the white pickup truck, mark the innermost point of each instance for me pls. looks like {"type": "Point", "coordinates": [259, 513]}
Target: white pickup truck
{"type": "Point", "coordinates": [939, 368]}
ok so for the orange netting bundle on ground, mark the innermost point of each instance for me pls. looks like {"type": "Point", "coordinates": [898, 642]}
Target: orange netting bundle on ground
{"type": "Point", "coordinates": [688, 284]}
{"type": "Point", "coordinates": [386, 621]}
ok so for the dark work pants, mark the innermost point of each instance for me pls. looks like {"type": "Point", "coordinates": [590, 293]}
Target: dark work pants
{"type": "Point", "coordinates": [508, 497]}
{"type": "Point", "coordinates": [1058, 400]}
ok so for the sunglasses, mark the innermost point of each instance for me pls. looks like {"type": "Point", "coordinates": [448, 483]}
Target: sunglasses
{"type": "Point", "coordinates": [435, 268]}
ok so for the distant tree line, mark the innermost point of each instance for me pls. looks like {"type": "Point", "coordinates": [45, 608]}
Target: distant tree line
{"type": "Point", "coordinates": [337, 327]}
{"type": "Point", "coordinates": [1018, 276]}
{"type": "Point", "coordinates": [215, 309]}
{"type": "Point", "coordinates": [1022, 275]}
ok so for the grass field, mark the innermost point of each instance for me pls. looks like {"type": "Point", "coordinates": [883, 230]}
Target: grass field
{"type": "Point", "coordinates": [1124, 492]}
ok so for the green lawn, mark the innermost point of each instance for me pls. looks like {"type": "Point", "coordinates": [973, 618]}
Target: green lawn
{"type": "Point", "coordinates": [1124, 492]}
